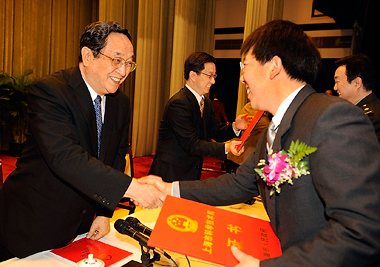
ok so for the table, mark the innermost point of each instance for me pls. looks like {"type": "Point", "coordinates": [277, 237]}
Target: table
{"type": "Point", "coordinates": [147, 217]}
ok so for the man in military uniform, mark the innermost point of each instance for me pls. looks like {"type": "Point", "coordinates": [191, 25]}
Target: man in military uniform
{"type": "Point", "coordinates": [355, 81]}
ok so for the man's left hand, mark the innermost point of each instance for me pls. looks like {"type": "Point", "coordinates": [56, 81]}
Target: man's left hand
{"type": "Point", "coordinates": [99, 228]}
{"type": "Point", "coordinates": [242, 121]}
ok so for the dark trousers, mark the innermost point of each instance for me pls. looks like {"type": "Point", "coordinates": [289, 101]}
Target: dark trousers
{"type": "Point", "coordinates": [5, 254]}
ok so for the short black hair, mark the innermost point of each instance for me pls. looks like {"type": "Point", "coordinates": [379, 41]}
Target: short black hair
{"type": "Point", "coordinates": [359, 65]}
{"type": "Point", "coordinates": [299, 55]}
{"type": "Point", "coordinates": [95, 36]}
{"type": "Point", "coordinates": [196, 62]}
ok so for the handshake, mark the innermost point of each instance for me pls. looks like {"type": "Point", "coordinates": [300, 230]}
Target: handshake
{"type": "Point", "coordinates": [148, 192]}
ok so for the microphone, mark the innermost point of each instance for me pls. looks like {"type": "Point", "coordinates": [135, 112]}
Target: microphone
{"type": "Point", "coordinates": [137, 225]}
{"type": "Point", "coordinates": [123, 227]}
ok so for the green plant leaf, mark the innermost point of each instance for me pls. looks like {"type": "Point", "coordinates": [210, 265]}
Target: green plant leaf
{"type": "Point", "coordinates": [298, 150]}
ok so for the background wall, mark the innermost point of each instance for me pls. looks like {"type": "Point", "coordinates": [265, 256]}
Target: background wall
{"type": "Point", "coordinates": [43, 35]}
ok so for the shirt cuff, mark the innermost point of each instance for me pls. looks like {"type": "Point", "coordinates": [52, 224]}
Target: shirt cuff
{"type": "Point", "coordinates": [237, 132]}
{"type": "Point", "coordinates": [175, 189]}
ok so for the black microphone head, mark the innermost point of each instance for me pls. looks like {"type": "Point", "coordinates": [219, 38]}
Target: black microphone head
{"type": "Point", "coordinates": [136, 224]}
{"type": "Point", "coordinates": [132, 221]}
{"type": "Point", "coordinates": [122, 227]}
{"type": "Point", "coordinates": [118, 223]}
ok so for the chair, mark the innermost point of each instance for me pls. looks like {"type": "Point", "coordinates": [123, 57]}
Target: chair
{"type": "Point", "coordinates": [1, 174]}
{"type": "Point", "coordinates": [129, 163]}
{"type": "Point", "coordinates": [126, 203]}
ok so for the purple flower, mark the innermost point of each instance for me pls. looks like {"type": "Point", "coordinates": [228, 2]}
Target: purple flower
{"type": "Point", "coordinates": [278, 164]}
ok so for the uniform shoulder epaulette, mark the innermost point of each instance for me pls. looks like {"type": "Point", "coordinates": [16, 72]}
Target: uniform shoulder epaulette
{"type": "Point", "coordinates": [366, 109]}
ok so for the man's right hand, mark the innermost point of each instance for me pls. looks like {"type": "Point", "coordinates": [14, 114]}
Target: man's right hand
{"type": "Point", "coordinates": [145, 195]}
{"type": "Point", "coordinates": [231, 147]}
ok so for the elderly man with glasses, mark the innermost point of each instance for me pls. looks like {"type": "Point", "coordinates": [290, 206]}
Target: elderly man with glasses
{"type": "Point", "coordinates": [69, 178]}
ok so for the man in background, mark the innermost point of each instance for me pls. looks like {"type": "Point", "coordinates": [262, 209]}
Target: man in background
{"type": "Point", "coordinates": [330, 214]}
{"type": "Point", "coordinates": [189, 124]}
{"type": "Point", "coordinates": [71, 169]}
{"type": "Point", "coordinates": [329, 92]}
{"type": "Point", "coordinates": [219, 111]}
{"type": "Point", "coordinates": [355, 81]}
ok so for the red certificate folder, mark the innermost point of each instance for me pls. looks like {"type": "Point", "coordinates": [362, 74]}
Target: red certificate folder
{"type": "Point", "coordinates": [249, 129]}
{"type": "Point", "coordinates": [79, 250]}
{"type": "Point", "coordinates": [207, 232]}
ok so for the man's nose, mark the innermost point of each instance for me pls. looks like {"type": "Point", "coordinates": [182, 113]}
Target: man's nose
{"type": "Point", "coordinates": [122, 70]}
{"type": "Point", "coordinates": [242, 79]}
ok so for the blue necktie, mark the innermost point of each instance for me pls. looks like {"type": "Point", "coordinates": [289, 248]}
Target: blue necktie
{"type": "Point", "coordinates": [98, 113]}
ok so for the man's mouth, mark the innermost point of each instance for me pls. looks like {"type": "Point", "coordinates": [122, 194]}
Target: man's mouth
{"type": "Point", "coordinates": [115, 79]}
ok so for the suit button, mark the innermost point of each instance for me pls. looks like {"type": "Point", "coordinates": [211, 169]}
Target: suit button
{"type": "Point", "coordinates": [84, 211]}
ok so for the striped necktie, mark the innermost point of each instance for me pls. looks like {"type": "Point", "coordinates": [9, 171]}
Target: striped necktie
{"type": "Point", "coordinates": [99, 124]}
{"type": "Point", "coordinates": [202, 106]}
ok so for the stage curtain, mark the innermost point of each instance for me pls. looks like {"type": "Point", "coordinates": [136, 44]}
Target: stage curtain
{"type": "Point", "coordinates": [258, 13]}
{"type": "Point", "coordinates": [193, 32]}
{"type": "Point", "coordinates": [42, 35]}
{"type": "Point", "coordinates": [125, 13]}
{"type": "Point", "coordinates": [153, 54]}
{"type": "Point", "coordinates": [168, 31]}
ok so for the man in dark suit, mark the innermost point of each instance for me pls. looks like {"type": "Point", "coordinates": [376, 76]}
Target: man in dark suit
{"type": "Point", "coordinates": [65, 176]}
{"type": "Point", "coordinates": [355, 81]}
{"type": "Point", "coordinates": [330, 215]}
{"type": "Point", "coordinates": [186, 131]}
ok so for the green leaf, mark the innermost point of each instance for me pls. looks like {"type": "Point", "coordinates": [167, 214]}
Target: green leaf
{"type": "Point", "coordinates": [298, 150]}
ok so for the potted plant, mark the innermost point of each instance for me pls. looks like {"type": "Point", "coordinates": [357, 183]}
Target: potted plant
{"type": "Point", "coordinates": [13, 100]}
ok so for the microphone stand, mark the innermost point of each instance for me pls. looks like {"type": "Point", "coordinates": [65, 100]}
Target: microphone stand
{"type": "Point", "coordinates": [146, 261]}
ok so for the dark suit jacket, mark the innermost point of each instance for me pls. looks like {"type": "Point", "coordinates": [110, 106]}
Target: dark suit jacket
{"type": "Point", "coordinates": [330, 217]}
{"type": "Point", "coordinates": [185, 137]}
{"type": "Point", "coordinates": [59, 183]}
{"type": "Point", "coordinates": [371, 106]}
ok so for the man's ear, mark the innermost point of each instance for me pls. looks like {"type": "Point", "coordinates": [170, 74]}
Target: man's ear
{"type": "Point", "coordinates": [192, 75]}
{"type": "Point", "coordinates": [87, 55]}
{"type": "Point", "coordinates": [276, 67]}
{"type": "Point", "coordinates": [357, 82]}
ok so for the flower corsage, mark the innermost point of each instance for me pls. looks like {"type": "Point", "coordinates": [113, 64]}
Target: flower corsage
{"type": "Point", "coordinates": [283, 167]}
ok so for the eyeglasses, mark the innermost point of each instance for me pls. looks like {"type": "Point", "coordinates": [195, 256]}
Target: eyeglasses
{"type": "Point", "coordinates": [241, 66]}
{"type": "Point", "coordinates": [210, 75]}
{"type": "Point", "coordinates": [118, 62]}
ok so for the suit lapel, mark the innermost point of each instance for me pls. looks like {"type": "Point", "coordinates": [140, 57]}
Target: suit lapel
{"type": "Point", "coordinates": [196, 111]}
{"type": "Point", "coordinates": [288, 116]}
{"type": "Point", "coordinates": [85, 105]}
{"type": "Point", "coordinates": [109, 122]}
{"type": "Point", "coordinates": [194, 103]}
{"type": "Point", "coordinates": [270, 201]}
